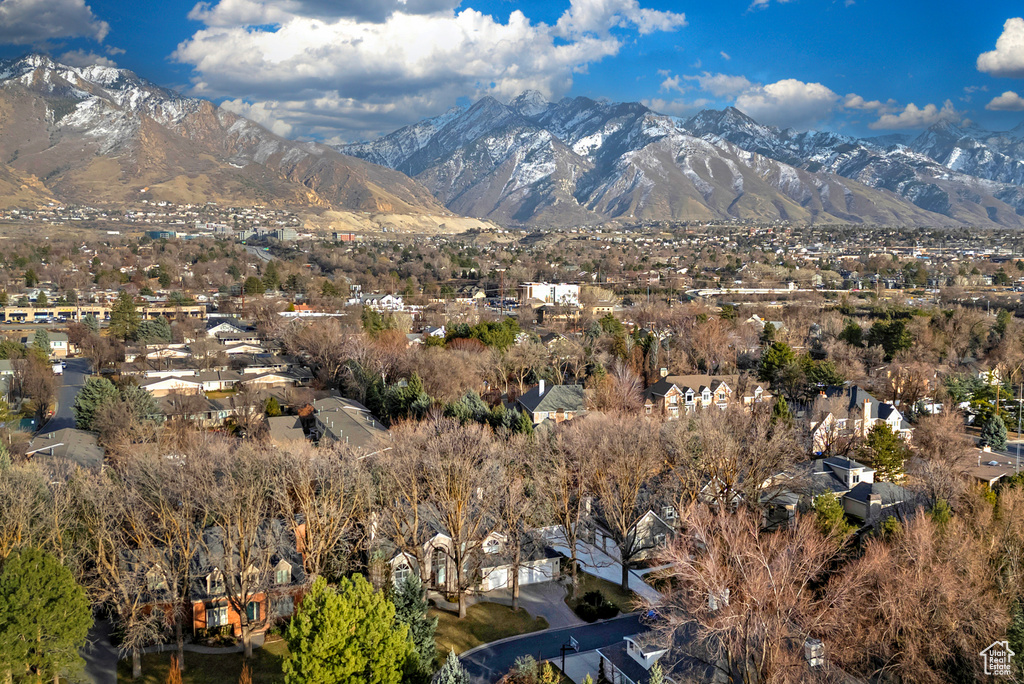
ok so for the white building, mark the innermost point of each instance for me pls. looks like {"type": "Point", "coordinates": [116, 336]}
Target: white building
{"type": "Point", "coordinates": [550, 293]}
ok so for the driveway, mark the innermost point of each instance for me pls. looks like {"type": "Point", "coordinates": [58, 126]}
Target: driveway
{"type": "Point", "coordinates": [75, 373]}
{"type": "Point", "coordinates": [100, 656]}
{"type": "Point", "coordinates": [596, 562]}
{"type": "Point", "coordinates": [490, 662]}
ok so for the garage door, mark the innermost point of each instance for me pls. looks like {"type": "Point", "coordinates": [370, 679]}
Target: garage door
{"type": "Point", "coordinates": [497, 578]}
{"type": "Point", "coordinates": [543, 572]}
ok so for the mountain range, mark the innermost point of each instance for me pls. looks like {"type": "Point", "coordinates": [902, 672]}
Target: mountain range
{"type": "Point", "coordinates": [580, 161]}
{"type": "Point", "coordinates": [104, 136]}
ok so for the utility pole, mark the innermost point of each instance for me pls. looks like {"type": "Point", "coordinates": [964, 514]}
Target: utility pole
{"type": "Point", "coordinates": [1020, 396]}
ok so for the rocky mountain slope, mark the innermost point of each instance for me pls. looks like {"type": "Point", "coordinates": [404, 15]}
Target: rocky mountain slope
{"type": "Point", "coordinates": [100, 135]}
{"type": "Point", "coordinates": [581, 161]}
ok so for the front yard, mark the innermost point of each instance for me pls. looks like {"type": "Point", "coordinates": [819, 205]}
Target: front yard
{"type": "Point", "coordinates": [202, 668]}
{"type": "Point", "coordinates": [625, 601]}
{"type": "Point", "coordinates": [484, 622]}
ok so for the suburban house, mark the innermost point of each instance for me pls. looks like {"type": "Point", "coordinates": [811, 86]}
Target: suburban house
{"type": "Point", "coordinates": [490, 568]}
{"type": "Point", "coordinates": [163, 386]}
{"type": "Point", "coordinates": [557, 403]}
{"type": "Point", "coordinates": [852, 483]}
{"type": "Point", "coordinates": [676, 395]}
{"type": "Point", "coordinates": [343, 420]}
{"type": "Point", "coordinates": [549, 293]}
{"type": "Point", "coordinates": [648, 534]}
{"type": "Point", "coordinates": [630, 661]}
{"type": "Point", "coordinates": [859, 413]}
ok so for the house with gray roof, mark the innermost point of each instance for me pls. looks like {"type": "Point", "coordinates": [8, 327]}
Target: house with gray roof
{"type": "Point", "coordinates": [859, 413]}
{"type": "Point", "coordinates": [337, 419]}
{"type": "Point", "coordinates": [851, 482]}
{"type": "Point", "coordinates": [69, 444]}
{"type": "Point", "coordinates": [557, 403]}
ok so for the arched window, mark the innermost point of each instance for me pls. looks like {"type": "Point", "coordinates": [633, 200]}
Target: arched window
{"type": "Point", "coordinates": [402, 572]}
{"type": "Point", "coordinates": [439, 562]}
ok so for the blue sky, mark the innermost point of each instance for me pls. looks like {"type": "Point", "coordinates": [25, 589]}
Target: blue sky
{"type": "Point", "coordinates": [345, 70]}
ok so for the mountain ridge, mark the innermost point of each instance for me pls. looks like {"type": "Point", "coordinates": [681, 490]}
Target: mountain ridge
{"type": "Point", "coordinates": [590, 161]}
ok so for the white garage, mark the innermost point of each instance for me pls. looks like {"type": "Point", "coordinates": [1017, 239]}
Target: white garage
{"type": "Point", "coordinates": [497, 578]}
{"type": "Point", "coordinates": [540, 571]}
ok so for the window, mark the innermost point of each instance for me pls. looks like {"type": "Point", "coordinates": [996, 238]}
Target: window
{"type": "Point", "coordinates": [217, 617]}
{"type": "Point", "coordinates": [401, 573]}
{"type": "Point", "coordinates": [440, 567]}
{"type": "Point", "coordinates": [659, 539]}
{"type": "Point", "coordinates": [252, 611]}
{"type": "Point", "coordinates": [647, 409]}
{"type": "Point", "coordinates": [668, 513]}
{"type": "Point", "coordinates": [283, 574]}
{"type": "Point", "coordinates": [215, 582]}
{"type": "Point", "coordinates": [856, 479]}
{"type": "Point", "coordinates": [492, 546]}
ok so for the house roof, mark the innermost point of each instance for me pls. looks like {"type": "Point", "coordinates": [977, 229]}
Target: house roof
{"type": "Point", "coordinates": [889, 493]}
{"type": "Point", "coordinates": [856, 396]}
{"type": "Point", "coordinates": [695, 382]}
{"type": "Point", "coordinates": [345, 420]}
{"type": "Point", "coordinates": [77, 446]}
{"type": "Point", "coordinates": [555, 398]}
{"type": "Point", "coordinates": [285, 429]}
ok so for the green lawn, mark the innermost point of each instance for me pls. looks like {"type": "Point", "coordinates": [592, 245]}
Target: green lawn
{"type": "Point", "coordinates": [201, 668]}
{"type": "Point", "coordinates": [625, 600]}
{"type": "Point", "coordinates": [484, 622]}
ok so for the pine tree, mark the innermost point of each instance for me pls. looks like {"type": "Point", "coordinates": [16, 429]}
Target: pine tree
{"type": "Point", "coordinates": [124, 319]}
{"type": "Point", "coordinates": [452, 671]}
{"type": "Point", "coordinates": [141, 402]}
{"type": "Point", "coordinates": [993, 433]}
{"type": "Point", "coordinates": [345, 636]}
{"type": "Point", "coordinates": [44, 616]}
{"type": "Point", "coordinates": [90, 322]}
{"type": "Point", "coordinates": [41, 341]}
{"type": "Point", "coordinates": [411, 610]}
{"type": "Point", "coordinates": [886, 451]}
{"type": "Point", "coordinates": [95, 393]}
{"type": "Point", "coordinates": [656, 675]}
{"type": "Point", "coordinates": [780, 412]}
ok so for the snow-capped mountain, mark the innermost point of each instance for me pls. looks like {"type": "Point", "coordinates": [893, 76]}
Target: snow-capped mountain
{"type": "Point", "coordinates": [578, 160]}
{"type": "Point", "coordinates": [103, 135]}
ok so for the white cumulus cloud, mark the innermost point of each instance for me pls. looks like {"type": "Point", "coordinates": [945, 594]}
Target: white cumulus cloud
{"type": "Point", "coordinates": [1008, 58]}
{"type": "Point", "coordinates": [33, 22]}
{"type": "Point", "coordinates": [82, 58]}
{"type": "Point", "coordinates": [1007, 102]}
{"type": "Point", "coordinates": [721, 85]}
{"type": "Point", "coordinates": [854, 101]}
{"type": "Point", "coordinates": [788, 103]}
{"type": "Point", "coordinates": [328, 74]}
{"type": "Point", "coordinates": [913, 116]}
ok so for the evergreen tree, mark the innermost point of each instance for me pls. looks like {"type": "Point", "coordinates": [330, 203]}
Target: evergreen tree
{"type": "Point", "coordinates": [830, 516]}
{"type": "Point", "coordinates": [993, 433]}
{"type": "Point", "coordinates": [154, 331]}
{"type": "Point", "coordinates": [411, 610]}
{"type": "Point", "coordinates": [941, 513]}
{"type": "Point", "coordinates": [44, 617]}
{"type": "Point", "coordinates": [345, 636]}
{"type": "Point", "coordinates": [124, 319]}
{"type": "Point", "coordinates": [271, 279]}
{"type": "Point", "coordinates": [31, 279]}
{"type": "Point", "coordinates": [41, 341]}
{"type": "Point", "coordinates": [5, 457]}
{"type": "Point", "coordinates": [780, 412]}
{"type": "Point", "coordinates": [452, 671]}
{"type": "Point", "coordinates": [272, 407]}
{"type": "Point", "coordinates": [90, 322]}
{"type": "Point", "coordinates": [774, 359]}
{"type": "Point", "coordinates": [656, 676]}
{"type": "Point", "coordinates": [141, 403]}
{"type": "Point", "coordinates": [253, 286]}
{"type": "Point", "coordinates": [95, 393]}
{"type": "Point", "coordinates": [886, 451]}
{"type": "Point", "coordinates": [42, 300]}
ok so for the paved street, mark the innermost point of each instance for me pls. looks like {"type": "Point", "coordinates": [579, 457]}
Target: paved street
{"type": "Point", "coordinates": [488, 663]}
{"type": "Point", "coordinates": [74, 377]}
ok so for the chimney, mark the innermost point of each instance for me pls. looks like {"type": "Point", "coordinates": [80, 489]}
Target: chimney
{"type": "Point", "coordinates": [874, 506]}
{"type": "Point", "coordinates": [540, 388]}
{"type": "Point", "coordinates": [663, 372]}
{"type": "Point", "coordinates": [866, 417]}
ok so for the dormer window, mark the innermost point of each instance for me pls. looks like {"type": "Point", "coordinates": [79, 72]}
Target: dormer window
{"type": "Point", "coordinates": [283, 573]}
{"type": "Point", "coordinates": [492, 546]}
{"type": "Point", "coordinates": [402, 573]}
{"type": "Point", "coordinates": [215, 582]}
